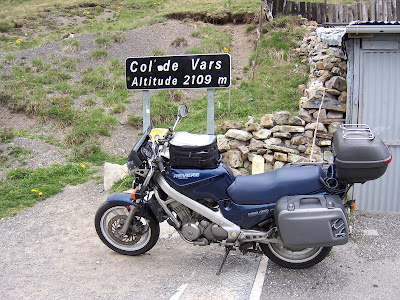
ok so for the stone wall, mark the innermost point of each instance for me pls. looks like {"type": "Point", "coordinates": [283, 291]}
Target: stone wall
{"type": "Point", "coordinates": [281, 138]}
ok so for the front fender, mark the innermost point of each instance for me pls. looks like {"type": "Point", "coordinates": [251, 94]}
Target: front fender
{"type": "Point", "coordinates": [120, 198]}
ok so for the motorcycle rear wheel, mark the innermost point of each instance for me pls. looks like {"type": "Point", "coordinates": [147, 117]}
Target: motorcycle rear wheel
{"type": "Point", "coordinates": [141, 236]}
{"type": "Point", "coordinates": [295, 259]}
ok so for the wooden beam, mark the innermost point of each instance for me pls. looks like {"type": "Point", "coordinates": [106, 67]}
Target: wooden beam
{"type": "Point", "coordinates": [372, 12]}
{"type": "Point", "coordinates": [398, 10]}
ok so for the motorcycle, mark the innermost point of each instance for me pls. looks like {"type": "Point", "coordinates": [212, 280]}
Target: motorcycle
{"type": "Point", "coordinates": [294, 215]}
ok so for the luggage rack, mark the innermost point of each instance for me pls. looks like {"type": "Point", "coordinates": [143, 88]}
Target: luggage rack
{"type": "Point", "coordinates": [357, 132]}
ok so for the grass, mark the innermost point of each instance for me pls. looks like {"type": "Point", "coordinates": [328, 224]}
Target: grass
{"type": "Point", "coordinates": [99, 54]}
{"type": "Point", "coordinates": [24, 187]}
{"type": "Point", "coordinates": [50, 90]}
{"type": "Point", "coordinates": [71, 45]}
{"type": "Point", "coordinates": [213, 40]}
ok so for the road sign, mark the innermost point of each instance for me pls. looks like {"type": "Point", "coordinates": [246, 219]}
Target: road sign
{"type": "Point", "coordinates": [178, 72]}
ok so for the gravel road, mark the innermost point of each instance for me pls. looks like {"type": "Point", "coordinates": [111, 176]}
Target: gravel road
{"type": "Point", "coordinates": [51, 251]}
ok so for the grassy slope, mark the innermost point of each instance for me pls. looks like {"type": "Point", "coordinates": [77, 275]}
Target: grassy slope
{"type": "Point", "coordinates": [47, 91]}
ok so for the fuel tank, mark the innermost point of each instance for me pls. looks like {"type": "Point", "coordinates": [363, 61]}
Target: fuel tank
{"type": "Point", "coordinates": [201, 183]}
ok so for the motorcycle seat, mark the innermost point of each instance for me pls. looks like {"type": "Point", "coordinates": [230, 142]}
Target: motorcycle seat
{"type": "Point", "coordinates": [270, 187]}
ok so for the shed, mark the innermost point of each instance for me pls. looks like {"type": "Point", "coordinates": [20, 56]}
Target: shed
{"type": "Point", "coordinates": [373, 85]}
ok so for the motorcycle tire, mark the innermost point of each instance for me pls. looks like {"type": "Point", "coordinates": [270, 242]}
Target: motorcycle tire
{"type": "Point", "coordinates": [141, 236]}
{"type": "Point", "coordinates": [295, 259]}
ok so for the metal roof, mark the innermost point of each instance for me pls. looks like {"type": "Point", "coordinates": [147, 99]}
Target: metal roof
{"type": "Point", "coordinates": [359, 27]}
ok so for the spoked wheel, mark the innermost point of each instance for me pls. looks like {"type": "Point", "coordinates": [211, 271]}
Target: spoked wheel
{"type": "Point", "coordinates": [141, 236]}
{"type": "Point", "coordinates": [295, 259]}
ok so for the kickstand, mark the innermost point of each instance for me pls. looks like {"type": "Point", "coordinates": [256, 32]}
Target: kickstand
{"type": "Point", "coordinates": [227, 250]}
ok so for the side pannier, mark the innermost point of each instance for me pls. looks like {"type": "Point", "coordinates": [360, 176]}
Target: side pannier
{"type": "Point", "coordinates": [359, 155]}
{"type": "Point", "coordinates": [197, 151]}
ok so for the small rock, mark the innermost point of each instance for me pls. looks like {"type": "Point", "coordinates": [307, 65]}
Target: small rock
{"type": "Point", "coordinates": [279, 165]}
{"type": "Point", "coordinates": [282, 135]}
{"type": "Point", "coordinates": [281, 156]}
{"type": "Point", "coordinates": [281, 117]}
{"type": "Point", "coordinates": [240, 135]}
{"type": "Point", "coordinates": [262, 134]}
{"type": "Point", "coordinates": [267, 121]}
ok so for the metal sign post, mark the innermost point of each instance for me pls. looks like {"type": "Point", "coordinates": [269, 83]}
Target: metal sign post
{"type": "Point", "coordinates": [207, 71]}
{"type": "Point", "coordinates": [210, 111]}
{"type": "Point", "coordinates": [146, 110]}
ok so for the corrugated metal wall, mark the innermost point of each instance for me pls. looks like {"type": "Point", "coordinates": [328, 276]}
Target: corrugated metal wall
{"type": "Point", "coordinates": [379, 107]}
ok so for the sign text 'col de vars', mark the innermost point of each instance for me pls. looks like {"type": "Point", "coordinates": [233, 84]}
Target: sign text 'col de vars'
{"type": "Point", "coordinates": [178, 72]}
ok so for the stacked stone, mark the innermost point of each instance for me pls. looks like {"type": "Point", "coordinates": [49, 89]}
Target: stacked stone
{"type": "Point", "coordinates": [282, 139]}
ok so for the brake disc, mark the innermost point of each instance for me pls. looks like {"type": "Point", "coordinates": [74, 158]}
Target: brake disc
{"type": "Point", "coordinates": [131, 237]}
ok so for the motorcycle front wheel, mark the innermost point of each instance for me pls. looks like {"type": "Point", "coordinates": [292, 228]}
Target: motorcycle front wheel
{"type": "Point", "coordinates": [141, 236]}
{"type": "Point", "coordinates": [294, 259]}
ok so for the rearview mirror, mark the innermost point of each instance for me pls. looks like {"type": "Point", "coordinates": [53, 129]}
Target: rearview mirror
{"type": "Point", "coordinates": [183, 111]}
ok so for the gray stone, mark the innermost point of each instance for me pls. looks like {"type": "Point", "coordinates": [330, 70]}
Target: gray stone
{"type": "Point", "coordinates": [338, 71]}
{"type": "Point", "coordinates": [235, 144]}
{"type": "Point", "coordinates": [297, 121]}
{"type": "Point", "coordinates": [223, 143]}
{"type": "Point", "coordinates": [282, 117]}
{"type": "Point", "coordinates": [251, 126]}
{"type": "Point", "coordinates": [269, 158]}
{"type": "Point", "coordinates": [327, 136]}
{"type": "Point", "coordinates": [322, 114]}
{"type": "Point", "coordinates": [262, 134]}
{"type": "Point", "coordinates": [303, 114]}
{"type": "Point", "coordinates": [299, 140]}
{"type": "Point", "coordinates": [281, 149]}
{"type": "Point", "coordinates": [335, 115]}
{"type": "Point", "coordinates": [268, 167]}
{"type": "Point", "coordinates": [294, 158]}
{"type": "Point", "coordinates": [267, 121]}
{"type": "Point", "coordinates": [309, 133]}
{"type": "Point", "coordinates": [337, 52]}
{"type": "Point", "coordinates": [262, 151]}
{"type": "Point", "coordinates": [333, 127]}
{"type": "Point", "coordinates": [255, 144]}
{"type": "Point", "coordinates": [302, 148]}
{"type": "Point", "coordinates": [273, 141]}
{"type": "Point", "coordinates": [317, 150]}
{"type": "Point", "coordinates": [333, 92]}
{"type": "Point", "coordinates": [234, 158]}
{"type": "Point", "coordinates": [320, 127]}
{"type": "Point", "coordinates": [337, 82]}
{"type": "Point", "coordinates": [113, 173]}
{"type": "Point", "coordinates": [279, 165]}
{"type": "Point", "coordinates": [328, 104]}
{"type": "Point", "coordinates": [280, 156]}
{"type": "Point", "coordinates": [325, 143]}
{"type": "Point", "coordinates": [325, 76]}
{"type": "Point", "coordinates": [343, 98]}
{"type": "Point", "coordinates": [328, 156]}
{"type": "Point", "coordinates": [288, 128]}
{"type": "Point", "coordinates": [230, 124]}
{"type": "Point", "coordinates": [240, 135]}
{"type": "Point", "coordinates": [320, 65]}
{"type": "Point", "coordinates": [250, 156]}
{"type": "Point", "coordinates": [282, 135]}
{"type": "Point", "coordinates": [244, 150]}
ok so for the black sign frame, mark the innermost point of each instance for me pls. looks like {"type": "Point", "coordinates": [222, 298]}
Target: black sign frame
{"type": "Point", "coordinates": [178, 72]}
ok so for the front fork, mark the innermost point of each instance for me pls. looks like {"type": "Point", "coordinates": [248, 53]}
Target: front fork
{"type": "Point", "coordinates": [134, 208]}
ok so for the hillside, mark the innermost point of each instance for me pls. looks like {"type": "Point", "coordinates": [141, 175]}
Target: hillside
{"type": "Point", "coordinates": [62, 90]}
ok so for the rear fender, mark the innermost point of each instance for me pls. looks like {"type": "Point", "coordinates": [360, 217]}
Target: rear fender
{"type": "Point", "coordinates": [125, 199]}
